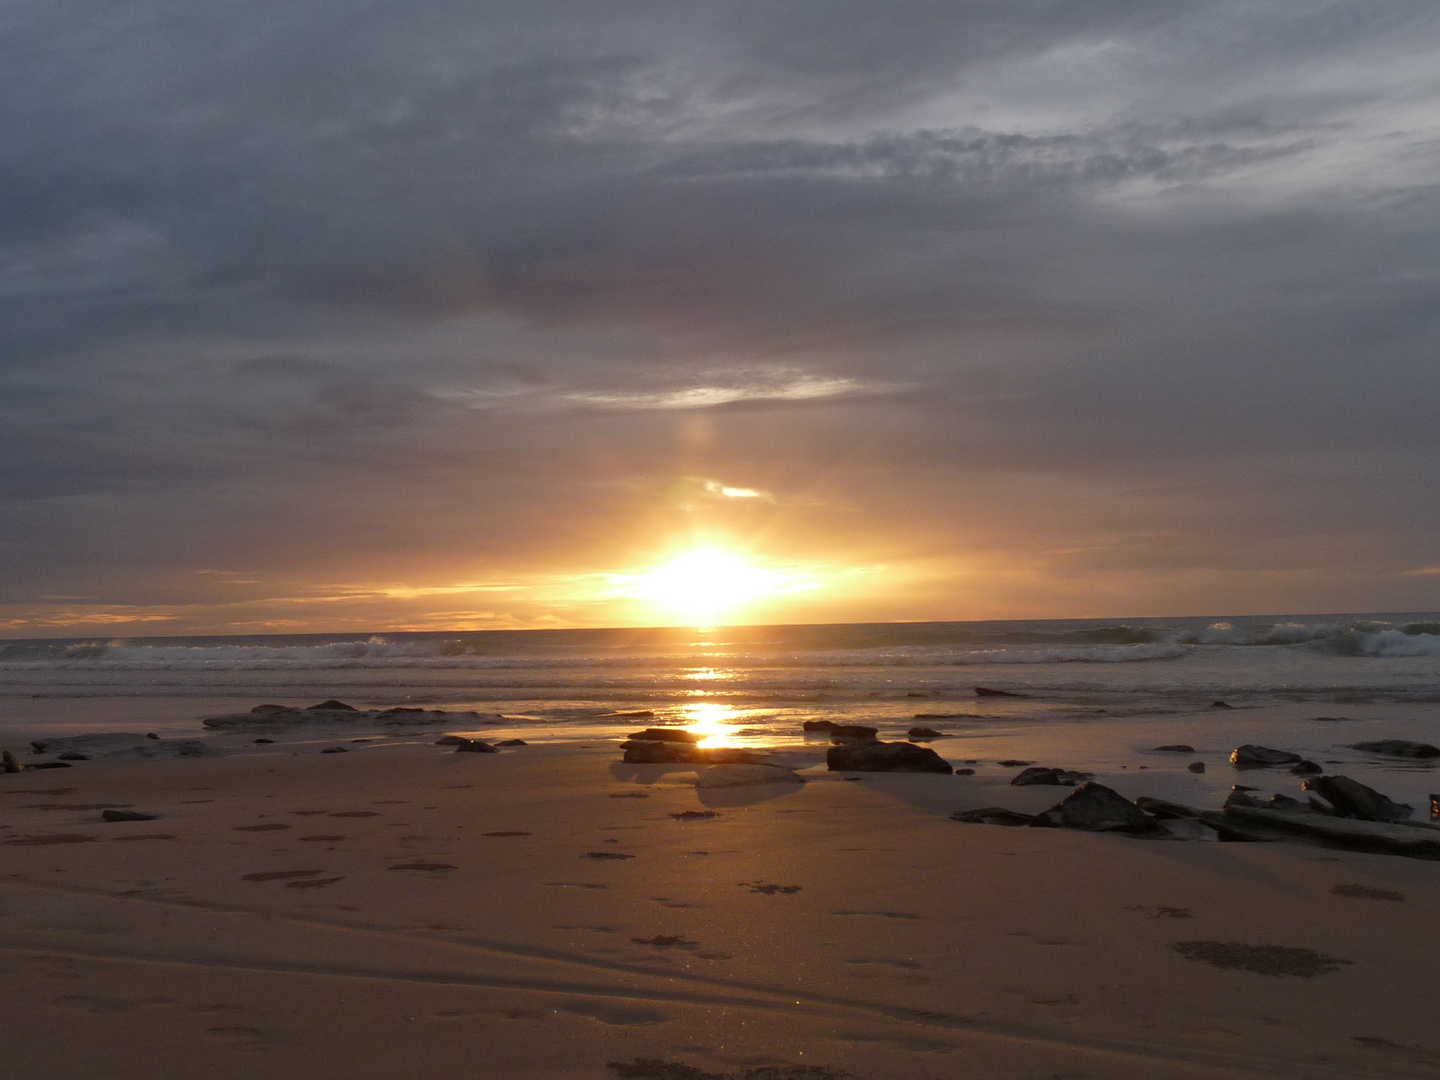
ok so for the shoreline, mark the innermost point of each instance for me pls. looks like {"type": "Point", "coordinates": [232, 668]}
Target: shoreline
{"type": "Point", "coordinates": [578, 924]}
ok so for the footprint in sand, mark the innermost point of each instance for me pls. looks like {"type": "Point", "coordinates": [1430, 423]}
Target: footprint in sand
{"type": "Point", "coordinates": [356, 813]}
{"type": "Point", "coordinates": [96, 1006]}
{"type": "Point", "coordinates": [279, 875]}
{"type": "Point", "coordinates": [1367, 892]}
{"type": "Point", "coordinates": [240, 1038]}
{"type": "Point", "coordinates": [305, 813]}
{"type": "Point", "coordinates": [143, 836]}
{"type": "Point", "coordinates": [507, 833]}
{"type": "Point", "coordinates": [273, 826]}
{"type": "Point", "coordinates": [767, 889]}
{"type": "Point", "coordinates": [879, 914]}
{"type": "Point", "coordinates": [606, 855]}
{"type": "Point", "coordinates": [314, 883]}
{"type": "Point", "coordinates": [1274, 960]}
{"type": "Point", "coordinates": [325, 839]}
{"type": "Point", "coordinates": [46, 839]}
{"type": "Point", "coordinates": [668, 941]}
{"type": "Point", "coordinates": [424, 866]}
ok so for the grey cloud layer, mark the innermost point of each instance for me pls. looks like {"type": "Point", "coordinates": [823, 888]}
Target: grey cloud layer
{"type": "Point", "coordinates": [346, 253]}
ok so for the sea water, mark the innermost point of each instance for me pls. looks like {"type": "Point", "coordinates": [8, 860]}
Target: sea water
{"type": "Point", "coordinates": [1090, 694]}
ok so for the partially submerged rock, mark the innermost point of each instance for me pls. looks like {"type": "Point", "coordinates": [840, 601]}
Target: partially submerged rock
{"type": "Point", "coordinates": [874, 756]}
{"type": "Point", "coordinates": [1352, 799]}
{"type": "Point", "coordinates": [1400, 748]}
{"type": "Point", "coordinates": [475, 746]}
{"type": "Point", "coordinates": [853, 732]}
{"type": "Point", "coordinates": [924, 733]}
{"type": "Point", "coordinates": [9, 764]}
{"type": "Point", "coordinates": [661, 734]}
{"type": "Point", "coordinates": [744, 775]}
{"type": "Point", "coordinates": [1037, 774]}
{"type": "Point", "coordinates": [1097, 808]}
{"type": "Point", "coordinates": [987, 691]}
{"type": "Point", "coordinates": [1251, 756]}
{"type": "Point", "coordinates": [1415, 840]}
{"type": "Point", "coordinates": [120, 744]}
{"type": "Point", "coordinates": [270, 717]}
{"type": "Point", "coordinates": [654, 752]}
{"type": "Point", "coordinates": [1175, 748]}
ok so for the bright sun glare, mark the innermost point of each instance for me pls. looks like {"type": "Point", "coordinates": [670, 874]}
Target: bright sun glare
{"type": "Point", "coordinates": [705, 584]}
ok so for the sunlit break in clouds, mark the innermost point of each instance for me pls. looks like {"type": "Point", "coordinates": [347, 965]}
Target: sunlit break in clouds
{"type": "Point", "coordinates": [444, 316]}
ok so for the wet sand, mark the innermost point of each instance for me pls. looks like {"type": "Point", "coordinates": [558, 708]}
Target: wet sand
{"type": "Point", "coordinates": [399, 910]}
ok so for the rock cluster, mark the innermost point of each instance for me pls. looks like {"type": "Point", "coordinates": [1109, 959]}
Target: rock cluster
{"type": "Point", "coordinates": [1341, 813]}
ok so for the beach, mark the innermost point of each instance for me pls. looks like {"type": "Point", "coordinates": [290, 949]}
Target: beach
{"type": "Point", "coordinates": [403, 909]}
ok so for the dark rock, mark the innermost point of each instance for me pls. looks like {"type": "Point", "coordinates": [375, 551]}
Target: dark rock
{"type": "Point", "coordinates": [10, 765]}
{"type": "Point", "coordinates": [635, 714]}
{"type": "Point", "coordinates": [925, 733]}
{"type": "Point", "coordinates": [396, 710]}
{"type": "Point", "coordinates": [872, 756]}
{"type": "Point", "coordinates": [964, 772]}
{"type": "Point", "coordinates": [1176, 748]}
{"type": "Point", "coordinates": [1306, 768]}
{"type": "Point", "coordinates": [1097, 808]}
{"type": "Point", "coordinates": [267, 710]}
{"type": "Point", "coordinates": [1164, 809]}
{"type": "Point", "coordinates": [1352, 799]}
{"type": "Point", "coordinates": [71, 755]}
{"type": "Point", "coordinates": [1240, 798]}
{"type": "Point", "coordinates": [993, 815]}
{"type": "Point", "coordinates": [1435, 807]}
{"type": "Point", "coordinates": [335, 750]}
{"type": "Point", "coordinates": [1334, 720]}
{"type": "Point", "coordinates": [1051, 777]}
{"type": "Point", "coordinates": [1013, 763]}
{"type": "Point", "coordinates": [646, 752]}
{"type": "Point", "coordinates": [853, 731]}
{"type": "Point", "coordinates": [475, 746]}
{"type": "Point", "coordinates": [939, 715]}
{"type": "Point", "coordinates": [1196, 766]}
{"type": "Point", "coordinates": [263, 741]}
{"type": "Point", "coordinates": [151, 735]}
{"type": "Point", "coordinates": [1221, 705]}
{"type": "Point", "coordinates": [1401, 748]}
{"type": "Point", "coordinates": [1251, 756]}
{"type": "Point", "coordinates": [513, 742]}
{"type": "Point", "coordinates": [1285, 802]}
{"type": "Point", "coordinates": [48, 765]}
{"type": "Point", "coordinates": [451, 740]}
{"type": "Point", "coordinates": [986, 691]}
{"type": "Point", "coordinates": [126, 815]}
{"type": "Point", "coordinates": [819, 725]}
{"type": "Point", "coordinates": [332, 706]}
{"type": "Point", "coordinates": [1384, 837]}
{"type": "Point", "coordinates": [661, 734]}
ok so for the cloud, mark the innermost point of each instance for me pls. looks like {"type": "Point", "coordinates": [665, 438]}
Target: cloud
{"type": "Point", "coordinates": [318, 289]}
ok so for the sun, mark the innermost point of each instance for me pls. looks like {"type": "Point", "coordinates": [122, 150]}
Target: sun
{"type": "Point", "coordinates": [705, 584]}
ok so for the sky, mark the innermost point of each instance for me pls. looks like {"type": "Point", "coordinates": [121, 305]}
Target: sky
{"type": "Point", "coordinates": [435, 315]}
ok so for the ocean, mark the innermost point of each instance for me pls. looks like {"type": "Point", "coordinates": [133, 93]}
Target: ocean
{"type": "Point", "coordinates": [1092, 694]}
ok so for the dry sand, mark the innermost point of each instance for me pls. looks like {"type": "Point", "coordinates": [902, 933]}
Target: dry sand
{"type": "Point", "coordinates": [401, 911]}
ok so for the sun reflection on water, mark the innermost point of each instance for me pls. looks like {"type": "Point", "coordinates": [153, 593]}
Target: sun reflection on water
{"type": "Point", "coordinates": [712, 721]}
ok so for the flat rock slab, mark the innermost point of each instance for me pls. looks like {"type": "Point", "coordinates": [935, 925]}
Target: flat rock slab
{"type": "Point", "coordinates": [1400, 748]}
{"type": "Point", "coordinates": [859, 756]}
